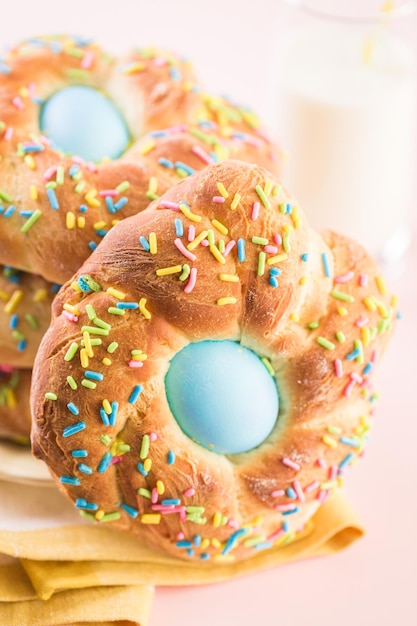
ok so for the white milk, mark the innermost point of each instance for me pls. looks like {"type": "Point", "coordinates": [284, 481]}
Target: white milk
{"type": "Point", "coordinates": [347, 115]}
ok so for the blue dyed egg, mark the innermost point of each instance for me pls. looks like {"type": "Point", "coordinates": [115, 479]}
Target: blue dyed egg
{"type": "Point", "coordinates": [82, 121]}
{"type": "Point", "coordinates": [222, 396]}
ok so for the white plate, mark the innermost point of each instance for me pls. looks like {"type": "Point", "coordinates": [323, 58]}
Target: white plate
{"type": "Point", "coordinates": [18, 465]}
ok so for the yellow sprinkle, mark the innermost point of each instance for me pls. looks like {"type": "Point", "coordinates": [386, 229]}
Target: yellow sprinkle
{"type": "Point", "coordinates": [30, 161]}
{"type": "Point", "coordinates": [153, 184]}
{"type": "Point", "coordinates": [369, 303]}
{"type": "Point", "coordinates": [380, 283]}
{"type": "Point", "coordinates": [147, 464]}
{"type": "Point", "coordinates": [76, 287]}
{"type": "Point", "coordinates": [217, 254]}
{"type": "Point", "coordinates": [99, 225]}
{"type": "Point", "coordinates": [153, 246]}
{"type": "Point", "coordinates": [90, 198]}
{"type": "Point", "coordinates": [227, 300]}
{"type": "Point", "coordinates": [39, 295]}
{"type": "Point", "coordinates": [329, 441]}
{"type": "Point", "coordinates": [295, 317]}
{"type": "Point", "coordinates": [160, 487]}
{"type": "Point", "coordinates": [33, 192]}
{"type": "Point", "coordinates": [216, 543]}
{"type": "Point", "coordinates": [11, 399]}
{"type": "Point", "coordinates": [147, 147]}
{"type": "Point", "coordinates": [235, 201]}
{"type": "Point", "coordinates": [71, 308]}
{"type": "Point", "coordinates": [13, 302]}
{"type": "Point", "coordinates": [268, 187]}
{"type": "Point", "coordinates": [107, 406]}
{"type": "Point", "coordinates": [205, 543]}
{"type": "Point", "coordinates": [367, 50]}
{"type": "Point", "coordinates": [4, 296]}
{"type": "Point", "coordinates": [166, 271]}
{"type": "Point", "coordinates": [229, 278]}
{"type": "Point", "coordinates": [81, 221]}
{"type": "Point", "coordinates": [116, 293]}
{"type": "Point", "coordinates": [70, 220]}
{"type": "Point", "coordinates": [277, 258]}
{"type": "Point", "coordinates": [84, 358]}
{"type": "Point", "coordinates": [186, 211]}
{"type": "Point", "coordinates": [106, 361]}
{"type": "Point", "coordinates": [342, 310]}
{"type": "Point", "coordinates": [150, 518]}
{"type": "Point", "coordinates": [142, 308]}
{"type": "Point", "coordinates": [135, 67]}
{"type": "Point", "coordinates": [394, 301]}
{"type": "Point", "coordinates": [365, 335]}
{"type": "Point", "coordinates": [196, 242]}
{"type": "Point", "coordinates": [217, 518]}
{"type": "Point", "coordinates": [99, 515]}
{"type": "Point", "coordinates": [303, 280]}
{"type": "Point", "coordinates": [139, 357]}
{"type": "Point", "coordinates": [220, 227]}
{"type": "Point", "coordinates": [222, 190]}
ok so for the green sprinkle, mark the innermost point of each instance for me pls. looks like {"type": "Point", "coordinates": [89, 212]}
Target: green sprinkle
{"type": "Point", "coordinates": [60, 175]}
{"type": "Point", "coordinates": [195, 509]}
{"type": "Point", "coordinates": [286, 242]}
{"type": "Point", "coordinates": [261, 263]}
{"type": "Point", "coordinates": [32, 321]}
{"type": "Point", "coordinates": [123, 186]}
{"type": "Point", "coordinates": [98, 322]}
{"type": "Point", "coordinates": [31, 221]}
{"type": "Point", "coordinates": [123, 447]}
{"type": "Point", "coordinates": [261, 241]}
{"type": "Point", "coordinates": [249, 543]}
{"type": "Point", "coordinates": [185, 272]}
{"type": "Point", "coordinates": [276, 190]}
{"type": "Point", "coordinates": [221, 245]}
{"type": "Point", "coordinates": [90, 310]}
{"type": "Point", "coordinates": [115, 311]}
{"type": "Point", "coordinates": [71, 352]}
{"type": "Point", "coordinates": [325, 343]}
{"type": "Point", "coordinates": [136, 352]}
{"type": "Point", "coordinates": [95, 341]}
{"type": "Point", "coordinates": [16, 334]}
{"type": "Point", "coordinates": [94, 286]}
{"type": "Point", "coordinates": [342, 296]}
{"type": "Point", "coordinates": [144, 448]}
{"type": "Point", "coordinates": [262, 197]}
{"type": "Point", "coordinates": [112, 347]}
{"type": "Point", "coordinates": [359, 346]}
{"type": "Point", "coordinates": [268, 365]}
{"type": "Point", "coordinates": [144, 492]}
{"type": "Point", "coordinates": [334, 430]}
{"type": "Point", "coordinates": [95, 331]}
{"type": "Point", "coordinates": [210, 237]}
{"type": "Point", "coordinates": [74, 72]}
{"type": "Point", "coordinates": [340, 336]}
{"type": "Point", "coordinates": [313, 325]}
{"type": "Point", "coordinates": [196, 519]}
{"type": "Point", "coordinates": [283, 207]}
{"type": "Point", "coordinates": [88, 383]}
{"type": "Point", "coordinates": [5, 196]}
{"type": "Point", "coordinates": [110, 517]}
{"type": "Point", "coordinates": [151, 195]}
{"type": "Point", "coordinates": [76, 52]}
{"type": "Point", "coordinates": [200, 135]}
{"type": "Point", "coordinates": [383, 326]}
{"type": "Point", "coordinates": [105, 439]}
{"type": "Point", "coordinates": [89, 516]}
{"type": "Point", "coordinates": [51, 396]}
{"type": "Point", "coordinates": [79, 187]}
{"type": "Point", "coordinates": [51, 185]}
{"type": "Point", "coordinates": [72, 382]}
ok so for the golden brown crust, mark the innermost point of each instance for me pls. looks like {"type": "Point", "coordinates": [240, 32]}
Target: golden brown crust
{"type": "Point", "coordinates": [75, 203]}
{"type": "Point", "coordinates": [319, 323]}
{"type": "Point", "coordinates": [25, 313]}
{"type": "Point", "coordinates": [15, 421]}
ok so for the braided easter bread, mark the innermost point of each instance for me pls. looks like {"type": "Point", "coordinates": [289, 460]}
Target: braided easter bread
{"type": "Point", "coordinates": [59, 194]}
{"type": "Point", "coordinates": [216, 378]}
{"type": "Point", "coordinates": [14, 404]}
{"type": "Point", "coordinates": [25, 313]}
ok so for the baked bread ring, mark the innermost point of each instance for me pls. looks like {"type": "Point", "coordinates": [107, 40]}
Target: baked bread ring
{"type": "Point", "coordinates": [25, 313]}
{"type": "Point", "coordinates": [15, 419]}
{"type": "Point", "coordinates": [225, 259]}
{"type": "Point", "coordinates": [55, 203]}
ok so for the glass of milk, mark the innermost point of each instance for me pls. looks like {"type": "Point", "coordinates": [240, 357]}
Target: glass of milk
{"type": "Point", "coordinates": [347, 113]}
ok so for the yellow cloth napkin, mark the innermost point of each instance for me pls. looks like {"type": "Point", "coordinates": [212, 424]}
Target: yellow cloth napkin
{"type": "Point", "coordinates": [85, 573]}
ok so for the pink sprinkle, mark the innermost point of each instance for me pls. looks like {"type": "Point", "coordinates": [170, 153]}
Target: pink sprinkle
{"type": "Point", "coordinates": [8, 133]}
{"type": "Point", "coordinates": [338, 368]}
{"type": "Point", "coordinates": [154, 495]}
{"type": "Point", "coordinates": [298, 490]}
{"type": "Point", "coordinates": [276, 535]}
{"type": "Point", "coordinates": [202, 154]}
{"type": "Point", "coordinates": [70, 316]}
{"type": "Point", "coordinates": [363, 280]}
{"type": "Point", "coordinates": [31, 89]}
{"type": "Point", "coordinates": [135, 364]}
{"type": "Point", "coordinates": [344, 278]}
{"type": "Point", "coordinates": [116, 459]}
{"type": "Point", "coordinates": [189, 492]}
{"type": "Point", "coordinates": [273, 156]}
{"type": "Point", "coordinates": [333, 469]}
{"type": "Point", "coordinates": [374, 356]}
{"type": "Point", "coordinates": [178, 128]}
{"type": "Point", "coordinates": [180, 536]}
{"type": "Point", "coordinates": [361, 321]}
{"type": "Point", "coordinates": [174, 206]}
{"type": "Point", "coordinates": [285, 507]}
{"type": "Point", "coordinates": [277, 493]}
{"type": "Point", "coordinates": [321, 462]}
{"type": "Point", "coordinates": [6, 369]}
{"type": "Point", "coordinates": [356, 377]}
{"type": "Point", "coordinates": [50, 172]}
{"type": "Point", "coordinates": [255, 210]}
{"type": "Point", "coordinates": [289, 463]}
{"type": "Point", "coordinates": [312, 486]}
{"type": "Point", "coordinates": [322, 496]}
{"type": "Point", "coordinates": [205, 243]}
{"type": "Point", "coordinates": [188, 255]}
{"type": "Point", "coordinates": [233, 524]}
{"type": "Point", "coordinates": [229, 246]}
{"type": "Point", "coordinates": [348, 389]}
{"type": "Point", "coordinates": [18, 103]}
{"type": "Point", "coordinates": [108, 192]}
{"type": "Point", "coordinates": [159, 61]}
{"type": "Point", "coordinates": [278, 239]}
{"type": "Point", "coordinates": [91, 167]}
{"type": "Point", "coordinates": [251, 141]}
{"type": "Point", "coordinates": [271, 249]}
{"type": "Point", "coordinates": [47, 142]}
{"type": "Point", "coordinates": [168, 510]}
{"type": "Point", "coordinates": [191, 232]}
{"type": "Point", "coordinates": [87, 60]}
{"type": "Point", "coordinates": [219, 199]}
{"type": "Point", "coordinates": [77, 159]}
{"type": "Point", "coordinates": [153, 436]}
{"type": "Point", "coordinates": [191, 281]}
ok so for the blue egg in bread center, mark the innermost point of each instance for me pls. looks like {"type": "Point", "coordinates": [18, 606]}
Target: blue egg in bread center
{"type": "Point", "coordinates": [222, 396]}
{"type": "Point", "coordinates": [83, 122]}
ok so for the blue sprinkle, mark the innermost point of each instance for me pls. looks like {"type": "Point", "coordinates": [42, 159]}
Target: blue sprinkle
{"type": "Point", "coordinates": [121, 203]}
{"type": "Point", "coordinates": [93, 375]}
{"type": "Point", "coordinates": [109, 204]}
{"type": "Point", "coordinates": [241, 250]}
{"type": "Point", "coordinates": [180, 165]}
{"type": "Point", "coordinates": [37, 148]}
{"type": "Point", "coordinates": [85, 469]}
{"type": "Point", "coordinates": [80, 503]}
{"type": "Point", "coordinates": [175, 73]}
{"type": "Point", "coordinates": [73, 408]}
{"type": "Point", "coordinates": [75, 428]}
{"type": "Point", "coordinates": [171, 457]}
{"type": "Point", "coordinates": [325, 265]}
{"type": "Point", "coordinates": [83, 208]}
{"type": "Point", "coordinates": [346, 460]}
{"type": "Point", "coordinates": [4, 69]}
{"type": "Point", "coordinates": [166, 163]}
{"type": "Point", "coordinates": [295, 510]}
{"type": "Point", "coordinates": [79, 453]}
{"type": "Point", "coordinates": [9, 212]}
{"type": "Point", "coordinates": [179, 228]}
{"type": "Point", "coordinates": [104, 417]}
{"type": "Point", "coordinates": [205, 556]}
{"type": "Point", "coordinates": [285, 525]}
{"type": "Point", "coordinates": [231, 542]}
{"type": "Point", "coordinates": [21, 345]}
{"type": "Point", "coordinates": [353, 355]}
{"type": "Point", "coordinates": [129, 510]}
{"type": "Point", "coordinates": [127, 305]}
{"type": "Point", "coordinates": [273, 281]}
{"type": "Point", "coordinates": [145, 243]}
{"type": "Point", "coordinates": [141, 469]}
{"type": "Point", "coordinates": [83, 285]}
{"type": "Point", "coordinates": [184, 544]}
{"type": "Point", "coordinates": [264, 545]}
{"type": "Point", "coordinates": [288, 209]}
{"type": "Point", "coordinates": [92, 245]}
{"type": "Point", "coordinates": [70, 480]}
{"type": "Point", "coordinates": [171, 502]}
{"type": "Point", "coordinates": [1, 209]}
{"type": "Point", "coordinates": [25, 213]}
{"type": "Point", "coordinates": [158, 133]}
{"type": "Point", "coordinates": [113, 414]}
{"type": "Point", "coordinates": [53, 200]}
{"type": "Point", "coordinates": [73, 170]}
{"type": "Point", "coordinates": [349, 441]}
{"type": "Point", "coordinates": [101, 233]}
{"type": "Point", "coordinates": [291, 493]}
{"type": "Point", "coordinates": [197, 540]}
{"type": "Point", "coordinates": [105, 463]}
{"type": "Point", "coordinates": [274, 271]}
{"type": "Point", "coordinates": [190, 552]}
{"type": "Point", "coordinates": [136, 391]}
{"type": "Point", "coordinates": [214, 157]}
{"type": "Point", "coordinates": [14, 321]}
{"type": "Point", "coordinates": [368, 367]}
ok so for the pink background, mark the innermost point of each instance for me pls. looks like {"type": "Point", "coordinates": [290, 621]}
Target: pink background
{"type": "Point", "coordinates": [233, 47]}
